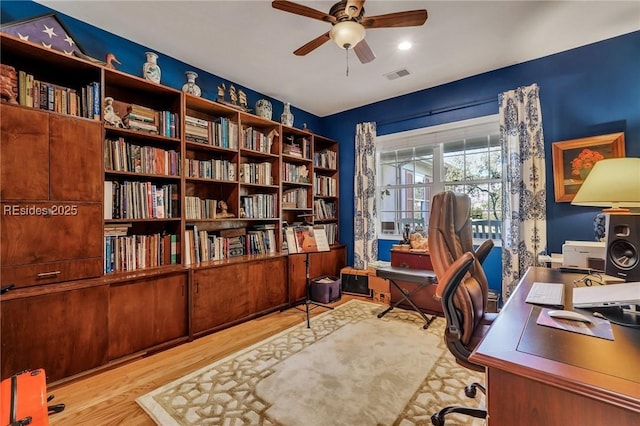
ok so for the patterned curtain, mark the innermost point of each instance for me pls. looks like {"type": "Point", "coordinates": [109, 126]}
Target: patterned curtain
{"type": "Point", "coordinates": [524, 198]}
{"type": "Point", "coordinates": [365, 244]}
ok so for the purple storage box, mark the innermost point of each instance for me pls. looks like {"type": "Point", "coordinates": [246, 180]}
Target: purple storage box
{"type": "Point", "coordinates": [325, 289]}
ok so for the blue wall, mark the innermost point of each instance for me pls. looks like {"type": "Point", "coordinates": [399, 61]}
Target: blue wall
{"type": "Point", "coordinates": [584, 92]}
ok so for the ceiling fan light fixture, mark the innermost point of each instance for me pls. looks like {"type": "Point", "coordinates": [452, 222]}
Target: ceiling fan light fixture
{"type": "Point", "coordinates": [346, 34]}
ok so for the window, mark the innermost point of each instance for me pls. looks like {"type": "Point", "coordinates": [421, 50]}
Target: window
{"type": "Point", "coordinates": [462, 157]}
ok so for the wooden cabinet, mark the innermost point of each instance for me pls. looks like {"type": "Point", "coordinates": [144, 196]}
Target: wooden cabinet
{"type": "Point", "coordinates": [269, 288]}
{"type": "Point", "coordinates": [320, 263]}
{"type": "Point", "coordinates": [226, 294]}
{"type": "Point", "coordinates": [146, 312]}
{"type": "Point", "coordinates": [51, 197]}
{"type": "Point", "coordinates": [424, 298]}
{"type": "Point", "coordinates": [62, 331]}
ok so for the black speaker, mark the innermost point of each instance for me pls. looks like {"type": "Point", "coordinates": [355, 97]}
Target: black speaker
{"type": "Point", "coordinates": [623, 246]}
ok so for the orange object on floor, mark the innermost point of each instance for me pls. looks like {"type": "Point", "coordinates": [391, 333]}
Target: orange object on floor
{"type": "Point", "coordinates": [24, 399]}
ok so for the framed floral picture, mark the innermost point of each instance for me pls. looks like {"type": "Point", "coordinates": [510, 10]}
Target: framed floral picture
{"type": "Point", "coordinates": [574, 159]}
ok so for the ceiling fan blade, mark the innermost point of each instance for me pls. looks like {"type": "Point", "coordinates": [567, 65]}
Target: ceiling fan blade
{"type": "Point", "coordinates": [410, 18]}
{"type": "Point", "coordinates": [313, 44]}
{"type": "Point", "coordinates": [299, 9]}
{"type": "Point", "coordinates": [364, 52]}
{"type": "Point", "coordinates": [353, 8]}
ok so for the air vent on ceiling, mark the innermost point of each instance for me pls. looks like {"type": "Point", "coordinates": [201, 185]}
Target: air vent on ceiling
{"type": "Point", "coordinates": [397, 74]}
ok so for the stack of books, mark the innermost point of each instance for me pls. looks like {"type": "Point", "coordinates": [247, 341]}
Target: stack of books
{"type": "Point", "coordinates": [196, 130]}
{"type": "Point", "coordinates": [141, 118]}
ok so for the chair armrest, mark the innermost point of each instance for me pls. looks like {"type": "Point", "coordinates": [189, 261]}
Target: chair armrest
{"type": "Point", "coordinates": [483, 251]}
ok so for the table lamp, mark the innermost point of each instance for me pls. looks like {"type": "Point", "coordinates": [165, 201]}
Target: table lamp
{"type": "Point", "coordinates": [613, 183]}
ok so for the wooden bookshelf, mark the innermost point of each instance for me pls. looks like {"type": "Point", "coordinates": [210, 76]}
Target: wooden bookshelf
{"type": "Point", "coordinates": [106, 259]}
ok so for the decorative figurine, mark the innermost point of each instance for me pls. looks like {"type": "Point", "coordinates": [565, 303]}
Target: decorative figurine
{"type": "Point", "coordinates": [233, 95]}
{"type": "Point", "coordinates": [110, 58]}
{"type": "Point", "coordinates": [110, 116]}
{"type": "Point", "coordinates": [8, 83]}
{"type": "Point", "coordinates": [223, 213]}
{"type": "Point", "coordinates": [242, 99]}
{"type": "Point", "coordinates": [221, 89]}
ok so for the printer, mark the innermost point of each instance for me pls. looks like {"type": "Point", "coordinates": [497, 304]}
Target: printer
{"type": "Point", "coordinates": [584, 254]}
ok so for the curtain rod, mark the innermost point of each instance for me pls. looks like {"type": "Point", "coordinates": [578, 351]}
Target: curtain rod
{"type": "Point", "coordinates": [436, 111]}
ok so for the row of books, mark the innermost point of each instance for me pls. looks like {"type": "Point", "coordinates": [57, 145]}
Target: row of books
{"type": "Point", "coordinates": [257, 173]}
{"type": "Point", "coordinates": [220, 132]}
{"type": "Point", "coordinates": [260, 206]}
{"type": "Point", "coordinates": [257, 140]}
{"type": "Point", "coordinates": [210, 169]}
{"type": "Point", "coordinates": [140, 200]}
{"type": "Point", "coordinates": [325, 186]}
{"type": "Point", "coordinates": [39, 94]}
{"type": "Point", "coordinates": [202, 246]}
{"type": "Point", "coordinates": [198, 208]}
{"type": "Point", "coordinates": [326, 158]}
{"type": "Point", "coordinates": [295, 173]}
{"type": "Point", "coordinates": [122, 156]}
{"type": "Point", "coordinates": [133, 252]}
{"type": "Point", "coordinates": [331, 229]}
{"type": "Point", "coordinates": [323, 210]}
{"type": "Point", "coordinates": [295, 198]}
{"type": "Point", "coordinates": [145, 119]}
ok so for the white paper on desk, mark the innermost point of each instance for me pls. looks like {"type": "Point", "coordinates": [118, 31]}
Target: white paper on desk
{"type": "Point", "coordinates": [598, 328]}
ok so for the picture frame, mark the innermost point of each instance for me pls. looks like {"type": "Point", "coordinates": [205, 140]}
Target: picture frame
{"type": "Point", "coordinates": [574, 159]}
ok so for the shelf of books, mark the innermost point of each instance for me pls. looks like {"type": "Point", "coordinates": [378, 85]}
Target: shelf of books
{"type": "Point", "coordinates": [325, 186]}
{"type": "Point", "coordinates": [143, 174]}
{"type": "Point", "coordinates": [297, 176]}
{"type": "Point", "coordinates": [65, 85]}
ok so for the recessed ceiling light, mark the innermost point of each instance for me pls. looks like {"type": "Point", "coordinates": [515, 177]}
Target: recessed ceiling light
{"type": "Point", "coordinates": [405, 45]}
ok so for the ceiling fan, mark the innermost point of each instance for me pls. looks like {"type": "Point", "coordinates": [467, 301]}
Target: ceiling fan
{"type": "Point", "coordinates": [349, 25]}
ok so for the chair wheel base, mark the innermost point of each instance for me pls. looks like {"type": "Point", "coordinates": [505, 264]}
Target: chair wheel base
{"type": "Point", "coordinates": [437, 420]}
{"type": "Point", "coordinates": [470, 391]}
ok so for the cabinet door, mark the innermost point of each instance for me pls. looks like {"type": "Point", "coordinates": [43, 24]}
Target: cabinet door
{"type": "Point", "coordinates": [51, 197]}
{"type": "Point", "coordinates": [220, 296]}
{"type": "Point", "coordinates": [268, 283]}
{"type": "Point", "coordinates": [76, 159]}
{"type": "Point", "coordinates": [24, 164]}
{"type": "Point", "coordinates": [63, 245]}
{"type": "Point", "coordinates": [63, 332]}
{"type": "Point", "coordinates": [145, 313]}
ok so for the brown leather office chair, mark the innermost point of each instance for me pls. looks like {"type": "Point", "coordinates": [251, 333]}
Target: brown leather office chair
{"type": "Point", "coordinates": [462, 285]}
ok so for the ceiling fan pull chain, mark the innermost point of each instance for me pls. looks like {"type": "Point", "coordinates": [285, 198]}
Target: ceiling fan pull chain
{"type": "Point", "coordinates": [347, 50]}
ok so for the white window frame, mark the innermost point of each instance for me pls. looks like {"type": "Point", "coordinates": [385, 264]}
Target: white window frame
{"type": "Point", "coordinates": [434, 136]}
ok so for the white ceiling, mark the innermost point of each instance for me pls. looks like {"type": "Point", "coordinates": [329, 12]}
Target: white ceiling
{"type": "Point", "coordinates": [251, 44]}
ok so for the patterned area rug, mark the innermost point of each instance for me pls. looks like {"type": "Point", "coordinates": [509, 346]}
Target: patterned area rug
{"type": "Point", "coordinates": [350, 368]}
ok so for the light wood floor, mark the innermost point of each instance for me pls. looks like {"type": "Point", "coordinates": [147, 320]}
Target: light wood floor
{"type": "Point", "coordinates": [108, 398]}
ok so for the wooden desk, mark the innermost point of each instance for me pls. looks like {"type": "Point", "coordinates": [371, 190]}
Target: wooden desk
{"type": "Point", "coordinates": [539, 375]}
